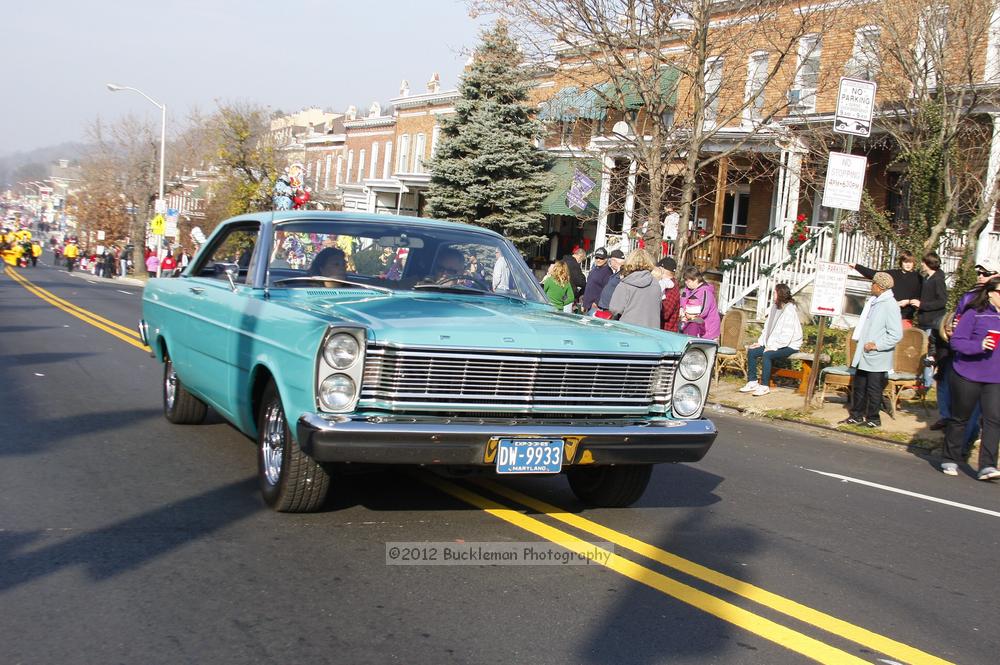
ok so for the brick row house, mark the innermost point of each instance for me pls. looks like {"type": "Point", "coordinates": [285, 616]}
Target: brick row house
{"type": "Point", "coordinates": [768, 112]}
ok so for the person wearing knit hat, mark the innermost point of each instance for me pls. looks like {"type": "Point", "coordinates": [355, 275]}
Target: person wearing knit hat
{"type": "Point", "coordinates": [884, 280]}
{"type": "Point", "coordinates": [878, 332]}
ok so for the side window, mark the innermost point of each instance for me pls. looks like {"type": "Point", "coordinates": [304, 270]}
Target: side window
{"type": "Point", "coordinates": [236, 246]}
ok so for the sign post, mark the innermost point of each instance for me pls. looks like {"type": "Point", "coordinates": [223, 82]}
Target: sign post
{"type": "Point", "coordinates": [846, 175]}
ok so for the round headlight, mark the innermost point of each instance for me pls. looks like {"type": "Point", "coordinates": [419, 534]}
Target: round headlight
{"type": "Point", "coordinates": [337, 392]}
{"type": "Point", "coordinates": [694, 364]}
{"type": "Point", "coordinates": [341, 351]}
{"type": "Point", "coordinates": [687, 400]}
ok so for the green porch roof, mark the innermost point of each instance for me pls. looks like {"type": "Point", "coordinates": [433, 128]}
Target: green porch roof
{"type": "Point", "coordinates": [560, 177]}
{"type": "Point", "coordinates": [625, 95]}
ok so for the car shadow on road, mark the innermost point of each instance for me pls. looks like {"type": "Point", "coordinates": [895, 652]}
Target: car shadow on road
{"type": "Point", "coordinates": [26, 556]}
{"type": "Point", "coordinates": [21, 435]}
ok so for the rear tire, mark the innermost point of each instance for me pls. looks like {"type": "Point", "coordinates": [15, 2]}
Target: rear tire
{"type": "Point", "coordinates": [610, 486]}
{"type": "Point", "coordinates": [290, 480]}
{"type": "Point", "coordinates": [179, 406]}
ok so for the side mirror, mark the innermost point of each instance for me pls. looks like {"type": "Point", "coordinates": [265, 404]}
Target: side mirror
{"type": "Point", "coordinates": [230, 270]}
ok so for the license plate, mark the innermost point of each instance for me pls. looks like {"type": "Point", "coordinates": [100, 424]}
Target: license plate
{"type": "Point", "coordinates": [529, 456]}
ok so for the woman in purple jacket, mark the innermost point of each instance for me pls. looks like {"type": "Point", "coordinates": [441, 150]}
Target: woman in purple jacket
{"type": "Point", "coordinates": [699, 309]}
{"type": "Point", "coordinates": [975, 378]}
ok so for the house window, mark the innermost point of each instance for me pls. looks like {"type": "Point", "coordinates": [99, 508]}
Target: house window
{"type": "Point", "coordinates": [803, 96]}
{"type": "Point", "coordinates": [374, 166]}
{"type": "Point", "coordinates": [435, 135]}
{"type": "Point", "coordinates": [319, 173]}
{"type": "Point", "coordinates": [326, 174]}
{"type": "Point", "coordinates": [350, 163]}
{"type": "Point", "coordinates": [340, 169]}
{"type": "Point", "coordinates": [756, 79]}
{"type": "Point", "coordinates": [403, 162]}
{"type": "Point", "coordinates": [361, 165]}
{"type": "Point", "coordinates": [737, 210]}
{"type": "Point", "coordinates": [418, 153]}
{"type": "Point", "coordinates": [388, 160]}
{"type": "Point", "coordinates": [713, 84]}
{"type": "Point", "coordinates": [864, 62]}
{"type": "Point", "coordinates": [931, 34]}
{"type": "Point", "coordinates": [992, 72]}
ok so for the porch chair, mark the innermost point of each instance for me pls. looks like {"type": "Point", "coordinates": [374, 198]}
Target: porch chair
{"type": "Point", "coordinates": [732, 353]}
{"type": "Point", "coordinates": [907, 365]}
{"type": "Point", "coordinates": [838, 377]}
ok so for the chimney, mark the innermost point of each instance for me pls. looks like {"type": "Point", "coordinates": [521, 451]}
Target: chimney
{"type": "Point", "coordinates": [352, 112]}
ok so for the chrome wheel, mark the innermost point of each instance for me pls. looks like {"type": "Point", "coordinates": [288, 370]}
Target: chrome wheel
{"type": "Point", "coordinates": [273, 444]}
{"type": "Point", "coordinates": [170, 387]}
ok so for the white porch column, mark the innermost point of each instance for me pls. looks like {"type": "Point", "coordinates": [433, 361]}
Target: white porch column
{"type": "Point", "coordinates": [601, 236]}
{"type": "Point", "coordinates": [778, 211]}
{"type": "Point", "coordinates": [633, 169]}
{"type": "Point", "coordinates": [372, 199]}
{"type": "Point", "coordinates": [983, 249]}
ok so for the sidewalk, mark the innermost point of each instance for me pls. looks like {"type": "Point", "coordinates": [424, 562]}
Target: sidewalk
{"type": "Point", "coordinates": [911, 426]}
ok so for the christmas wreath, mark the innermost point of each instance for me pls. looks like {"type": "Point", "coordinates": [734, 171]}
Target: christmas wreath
{"type": "Point", "coordinates": [800, 234]}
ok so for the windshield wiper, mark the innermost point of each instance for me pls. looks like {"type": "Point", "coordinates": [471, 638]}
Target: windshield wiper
{"type": "Point", "coordinates": [306, 279]}
{"type": "Point", "coordinates": [453, 288]}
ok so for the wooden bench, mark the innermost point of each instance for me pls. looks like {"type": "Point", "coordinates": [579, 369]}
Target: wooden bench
{"type": "Point", "coordinates": [803, 375]}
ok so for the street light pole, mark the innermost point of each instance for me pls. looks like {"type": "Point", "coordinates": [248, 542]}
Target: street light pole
{"type": "Point", "coordinates": [163, 153]}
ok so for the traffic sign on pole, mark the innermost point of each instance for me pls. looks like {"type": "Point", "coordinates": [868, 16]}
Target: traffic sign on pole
{"type": "Point", "coordinates": [156, 227]}
{"type": "Point", "coordinates": [845, 180]}
{"type": "Point", "coordinates": [855, 107]}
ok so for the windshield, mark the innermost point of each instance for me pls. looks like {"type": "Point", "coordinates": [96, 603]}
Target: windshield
{"type": "Point", "coordinates": [397, 256]}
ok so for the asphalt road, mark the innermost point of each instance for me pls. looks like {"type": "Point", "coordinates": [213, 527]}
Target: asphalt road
{"type": "Point", "coordinates": [124, 539]}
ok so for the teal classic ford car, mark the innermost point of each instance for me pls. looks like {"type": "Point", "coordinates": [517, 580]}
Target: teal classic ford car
{"type": "Point", "coordinates": [338, 338]}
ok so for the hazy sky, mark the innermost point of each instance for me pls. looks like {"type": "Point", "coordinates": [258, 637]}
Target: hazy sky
{"type": "Point", "coordinates": [58, 55]}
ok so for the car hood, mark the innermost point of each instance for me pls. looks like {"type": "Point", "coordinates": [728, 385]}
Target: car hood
{"type": "Point", "coordinates": [484, 322]}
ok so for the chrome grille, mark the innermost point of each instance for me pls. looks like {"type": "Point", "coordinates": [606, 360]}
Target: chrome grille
{"type": "Point", "coordinates": [468, 380]}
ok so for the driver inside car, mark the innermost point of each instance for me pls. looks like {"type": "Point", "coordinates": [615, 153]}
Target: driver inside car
{"type": "Point", "coordinates": [330, 262]}
{"type": "Point", "coordinates": [450, 265]}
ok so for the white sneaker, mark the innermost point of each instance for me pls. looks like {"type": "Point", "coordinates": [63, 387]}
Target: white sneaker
{"type": "Point", "coordinates": [750, 387]}
{"type": "Point", "coordinates": [761, 390]}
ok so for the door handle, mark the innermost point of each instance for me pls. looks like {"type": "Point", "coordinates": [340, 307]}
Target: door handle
{"type": "Point", "coordinates": [197, 290]}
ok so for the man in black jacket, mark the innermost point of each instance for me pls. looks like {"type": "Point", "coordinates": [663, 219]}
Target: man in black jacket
{"type": "Point", "coordinates": [907, 282]}
{"type": "Point", "coordinates": [596, 280]}
{"type": "Point", "coordinates": [576, 276]}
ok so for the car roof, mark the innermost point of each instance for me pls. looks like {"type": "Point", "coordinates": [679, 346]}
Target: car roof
{"type": "Point", "coordinates": [278, 217]}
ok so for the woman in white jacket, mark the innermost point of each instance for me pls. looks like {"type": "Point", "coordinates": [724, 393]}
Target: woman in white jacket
{"type": "Point", "coordinates": [781, 337]}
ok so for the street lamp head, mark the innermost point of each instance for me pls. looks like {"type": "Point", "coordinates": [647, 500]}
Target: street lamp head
{"type": "Point", "coordinates": [113, 88]}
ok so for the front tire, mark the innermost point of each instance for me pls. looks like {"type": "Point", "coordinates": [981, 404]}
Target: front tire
{"type": "Point", "coordinates": [179, 406]}
{"type": "Point", "coordinates": [290, 480]}
{"type": "Point", "coordinates": [610, 486]}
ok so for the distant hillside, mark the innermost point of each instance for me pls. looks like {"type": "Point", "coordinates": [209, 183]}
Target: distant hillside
{"type": "Point", "coordinates": [9, 164]}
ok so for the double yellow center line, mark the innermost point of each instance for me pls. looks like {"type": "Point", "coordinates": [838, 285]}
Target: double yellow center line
{"type": "Point", "coordinates": [784, 636]}
{"type": "Point", "coordinates": [121, 332]}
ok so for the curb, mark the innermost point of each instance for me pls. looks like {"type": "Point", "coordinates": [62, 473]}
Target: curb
{"type": "Point", "coordinates": [732, 410]}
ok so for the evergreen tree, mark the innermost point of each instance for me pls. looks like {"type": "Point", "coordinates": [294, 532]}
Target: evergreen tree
{"type": "Point", "coordinates": [487, 170]}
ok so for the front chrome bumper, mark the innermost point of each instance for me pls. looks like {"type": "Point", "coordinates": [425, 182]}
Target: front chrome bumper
{"type": "Point", "coordinates": [472, 441]}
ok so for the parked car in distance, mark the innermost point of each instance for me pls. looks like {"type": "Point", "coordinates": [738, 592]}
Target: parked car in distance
{"type": "Point", "coordinates": [351, 338]}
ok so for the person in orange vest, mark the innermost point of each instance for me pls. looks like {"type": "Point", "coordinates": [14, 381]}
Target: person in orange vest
{"type": "Point", "coordinates": [70, 252]}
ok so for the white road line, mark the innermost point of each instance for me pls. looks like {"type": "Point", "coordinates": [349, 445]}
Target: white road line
{"type": "Point", "coordinates": [128, 293]}
{"type": "Point", "coordinates": [955, 504]}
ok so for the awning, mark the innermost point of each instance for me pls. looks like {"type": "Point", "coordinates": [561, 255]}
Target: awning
{"type": "Point", "coordinates": [625, 96]}
{"type": "Point", "coordinates": [570, 104]}
{"type": "Point", "coordinates": [560, 177]}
